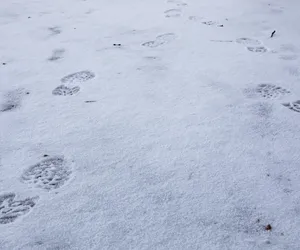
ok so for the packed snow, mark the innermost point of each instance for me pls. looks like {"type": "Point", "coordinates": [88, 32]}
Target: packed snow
{"type": "Point", "coordinates": [154, 124]}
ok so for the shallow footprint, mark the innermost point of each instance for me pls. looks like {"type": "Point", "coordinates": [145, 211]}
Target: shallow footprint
{"type": "Point", "coordinates": [195, 18]}
{"type": "Point", "coordinates": [294, 106]}
{"type": "Point", "coordinates": [267, 90]}
{"type": "Point", "coordinates": [56, 55]}
{"type": "Point", "coordinates": [78, 77]}
{"type": "Point", "coordinates": [11, 209]}
{"type": "Point", "coordinates": [248, 41]}
{"type": "Point", "coordinates": [259, 49]}
{"type": "Point", "coordinates": [288, 57]}
{"type": "Point", "coordinates": [13, 100]}
{"type": "Point", "coordinates": [160, 40]}
{"type": "Point", "coordinates": [173, 13]}
{"type": "Point", "coordinates": [55, 30]}
{"type": "Point", "coordinates": [65, 91]}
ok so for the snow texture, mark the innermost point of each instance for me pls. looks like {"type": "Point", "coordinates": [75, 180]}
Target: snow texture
{"type": "Point", "coordinates": [154, 124]}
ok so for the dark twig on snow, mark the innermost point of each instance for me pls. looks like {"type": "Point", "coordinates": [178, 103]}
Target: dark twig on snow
{"type": "Point", "coordinates": [273, 33]}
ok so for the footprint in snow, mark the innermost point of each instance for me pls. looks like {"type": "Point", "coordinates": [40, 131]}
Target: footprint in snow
{"type": "Point", "coordinates": [212, 23]}
{"type": "Point", "coordinates": [54, 30]}
{"type": "Point", "coordinates": [293, 71]}
{"type": "Point", "coordinates": [252, 45]}
{"type": "Point", "coordinates": [195, 18]}
{"type": "Point", "coordinates": [160, 40]}
{"type": "Point", "coordinates": [57, 54]}
{"type": "Point", "coordinates": [48, 174]}
{"type": "Point", "coordinates": [288, 57]}
{"type": "Point", "coordinates": [173, 13]}
{"type": "Point", "coordinates": [248, 41]}
{"type": "Point", "coordinates": [78, 77]}
{"type": "Point", "coordinates": [13, 100]}
{"type": "Point", "coordinates": [11, 209]}
{"type": "Point", "coordinates": [63, 90]}
{"type": "Point", "coordinates": [267, 91]}
{"type": "Point", "coordinates": [288, 52]}
{"type": "Point", "coordinates": [259, 49]}
{"type": "Point", "coordinates": [294, 106]}
{"type": "Point", "coordinates": [178, 3]}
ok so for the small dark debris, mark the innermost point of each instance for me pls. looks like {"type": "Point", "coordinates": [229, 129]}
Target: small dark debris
{"type": "Point", "coordinates": [29, 17]}
{"type": "Point", "coordinates": [268, 175]}
{"type": "Point", "coordinates": [268, 227]}
{"type": "Point", "coordinates": [221, 25]}
{"type": "Point", "coordinates": [3, 63]}
{"type": "Point", "coordinates": [268, 242]}
{"type": "Point", "coordinates": [90, 101]}
{"type": "Point", "coordinates": [282, 234]}
{"type": "Point", "coordinates": [117, 44]}
{"type": "Point", "coordinates": [273, 33]}
{"type": "Point", "coordinates": [45, 155]}
{"type": "Point", "coordinates": [27, 93]}
{"type": "Point", "coordinates": [258, 220]}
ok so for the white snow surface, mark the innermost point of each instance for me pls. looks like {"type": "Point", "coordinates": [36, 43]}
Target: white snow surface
{"type": "Point", "coordinates": [180, 131]}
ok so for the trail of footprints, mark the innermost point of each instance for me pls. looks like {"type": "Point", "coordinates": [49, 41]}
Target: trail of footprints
{"type": "Point", "coordinates": [49, 174]}
{"type": "Point", "coordinates": [54, 172]}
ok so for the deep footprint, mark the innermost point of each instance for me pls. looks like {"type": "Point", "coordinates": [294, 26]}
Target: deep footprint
{"type": "Point", "coordinates": [49, 174]}
{"type": "Point", "coordinates": [63, 90]}
{"type": "Point", "coordinates": [268, 91]}
{"type": "Point", "coordinates": [11, 209]}
{"type": "Point", "coordinates": [294, 106]}
{"type": "Point", "coordinates": [78, 77]}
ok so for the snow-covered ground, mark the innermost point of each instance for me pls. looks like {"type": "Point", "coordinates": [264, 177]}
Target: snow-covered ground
{"type": "Point", "coordinates": [149, 124]}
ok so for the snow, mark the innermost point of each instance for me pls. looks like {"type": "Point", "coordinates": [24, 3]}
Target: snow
{"type": "Point", "coordinates": [184, 137]}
